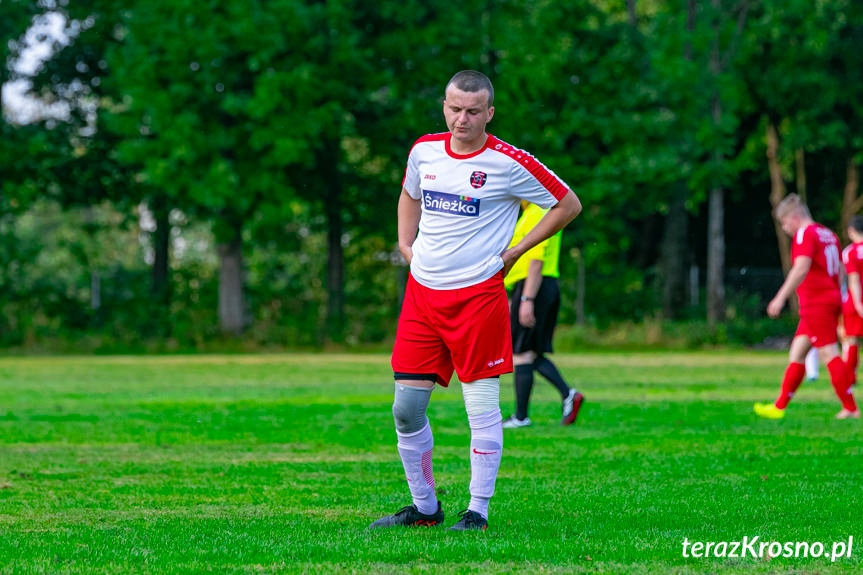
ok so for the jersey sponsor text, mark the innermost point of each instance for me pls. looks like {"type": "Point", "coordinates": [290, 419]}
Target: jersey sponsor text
{"type": "Point", "coordinates": [450, 203]}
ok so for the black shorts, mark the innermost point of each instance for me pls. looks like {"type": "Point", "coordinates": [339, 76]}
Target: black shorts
{"type": "Point", "coordinates": [546, 307]}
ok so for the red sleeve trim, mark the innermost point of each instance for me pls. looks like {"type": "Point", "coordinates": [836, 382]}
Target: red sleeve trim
{"type": "Point", "coordinates": [557, 188]}
{"type": "Point", "coordinates": [550, 182]}
{"type": "Point", "coordinates": [433, 138]}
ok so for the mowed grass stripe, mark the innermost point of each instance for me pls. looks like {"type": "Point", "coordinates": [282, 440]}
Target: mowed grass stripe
{"type": "Point", "coordinates": [249, 464]}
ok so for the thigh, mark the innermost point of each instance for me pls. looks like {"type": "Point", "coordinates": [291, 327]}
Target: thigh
{"type": "Point", "coordinates": [419, 347]}
{"type": "Point", "coordinates": [853, 324]}
{"type": "Point", "coordinates": [820, 325]}
{"type": "Point", "coordinates": [478, 334]}
{"type": "Point", "coordinates": [800, 346]}
{"type": "Point", "coordinates": [547, 308]}
{"type": "Point", "coordinates": [520, 334]}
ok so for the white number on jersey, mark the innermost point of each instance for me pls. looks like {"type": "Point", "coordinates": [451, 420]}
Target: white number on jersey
{"type": "Point", "coordinates": [831, 254]}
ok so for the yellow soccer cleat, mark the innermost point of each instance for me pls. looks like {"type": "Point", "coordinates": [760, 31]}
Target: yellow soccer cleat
{"type": "Point", "coordinates": [769, 411]}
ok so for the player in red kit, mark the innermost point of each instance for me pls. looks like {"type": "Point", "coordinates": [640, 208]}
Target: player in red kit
{"type": "Point", "coordinates": [815, 275]}
{"type": "Point", "coordinates": [852, 306]}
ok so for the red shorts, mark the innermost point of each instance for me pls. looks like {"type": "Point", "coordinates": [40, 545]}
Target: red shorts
{"type": "Point", "coordinates": [851, 320]}
{"type": "Point", "coordinates": [466, 330]}
{"type": "Point", "coordinates": [853, 324]}
{"type": "Point", "coordinates": [819, 324]}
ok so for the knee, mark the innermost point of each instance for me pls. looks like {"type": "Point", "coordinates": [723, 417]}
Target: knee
{"type": "Point", "coordinates": [828, 352]}
{"type": "Point", "coordinates": [409, 408]}
{"type": "Point", "coordinates": [481, 396]}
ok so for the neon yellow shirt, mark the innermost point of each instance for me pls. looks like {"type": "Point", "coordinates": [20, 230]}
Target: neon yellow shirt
{"type": "Point", "coordinates": [548, 251]}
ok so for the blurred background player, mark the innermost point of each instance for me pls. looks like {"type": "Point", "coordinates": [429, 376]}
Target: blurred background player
{"type": "Point", "coordinates": [815, 275]}
{"type": "Point", "coordinates": [534, 305]}
{"type": "Point", "coordinates": [812, 365]}
{"type": "Point", "coordinates": [461, 191]}
{"type": "Point", "coordinates": [852, 306]}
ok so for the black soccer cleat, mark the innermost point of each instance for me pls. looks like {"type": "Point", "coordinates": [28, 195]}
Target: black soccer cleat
{"type": "Point", "coordinates": [410, 517]}
{"type": "Point", "coordinates": [470, 521]}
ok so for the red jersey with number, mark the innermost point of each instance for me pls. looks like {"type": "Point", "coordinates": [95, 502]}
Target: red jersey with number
{"type": "Point", "coordinates": [820, 288]}
{"type": "Point", "coordinates": [852, 257]}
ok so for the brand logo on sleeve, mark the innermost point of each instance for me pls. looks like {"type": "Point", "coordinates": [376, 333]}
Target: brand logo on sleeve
{"type": "Point", "coordinates": [450, 204]}
{"type": "Point", "coordinates": [477, 179]}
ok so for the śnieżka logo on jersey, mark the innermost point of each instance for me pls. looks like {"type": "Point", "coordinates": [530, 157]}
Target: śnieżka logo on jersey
{"type": "Point", "coordinates": [450, 204]}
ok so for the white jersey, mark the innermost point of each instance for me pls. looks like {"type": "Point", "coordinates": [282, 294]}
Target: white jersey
{"type": "Point", "coordinates": [469, 207]}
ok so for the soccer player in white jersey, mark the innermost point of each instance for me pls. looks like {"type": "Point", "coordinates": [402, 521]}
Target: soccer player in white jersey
{"type": "Point", "coordinates": [456, 216]}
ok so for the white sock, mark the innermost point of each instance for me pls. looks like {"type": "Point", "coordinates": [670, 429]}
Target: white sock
{"type": "Point", "coordinates": [416, 453]}
{"type": "Point", "coordinates": [486, 445]}
{"type": "Point", "coordinates": [812, 364]}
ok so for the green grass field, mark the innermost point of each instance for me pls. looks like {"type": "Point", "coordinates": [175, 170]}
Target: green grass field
{"type": "Point", "coordinates": [277, 463]}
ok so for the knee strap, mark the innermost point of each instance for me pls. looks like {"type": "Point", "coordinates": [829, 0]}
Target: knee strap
{"type": "Point", "coordinates": [409, 407]}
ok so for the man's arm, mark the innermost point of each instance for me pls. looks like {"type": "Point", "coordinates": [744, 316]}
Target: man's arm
{"type": "Point", "coordinates": [409, 212]}
{"type": "Point", "coordinates": [855, 292]}
{"type": "Point", "coordinates": [555, 220]}
{"type": "Point", "coordinates": [795, 278]}
{"type": "Point", "coordinates": [526, 310]}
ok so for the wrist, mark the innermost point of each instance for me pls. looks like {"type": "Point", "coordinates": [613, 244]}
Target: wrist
{"type": "Point", "coordinates": [514, 252]}
{"type": "Point", "coordinates": [526, 298]}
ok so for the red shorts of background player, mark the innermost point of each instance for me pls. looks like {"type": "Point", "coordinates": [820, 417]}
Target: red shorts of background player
{"type": "Point", "coordinates": [819, 324]}
{"type": "Point", "coordinates": [466, 330]}
{"type": "Point", "coordinates": [851, 320]}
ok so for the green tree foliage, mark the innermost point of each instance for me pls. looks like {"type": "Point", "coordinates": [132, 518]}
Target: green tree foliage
{"type": "Point", "coordinates": [267, 141]}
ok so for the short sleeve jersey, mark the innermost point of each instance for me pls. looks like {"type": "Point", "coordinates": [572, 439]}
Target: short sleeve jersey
{"type": "Point", "coordinates": [469, 207]}
{"type": "Point", "coordinates": [548, 251]}
{"type": "Point", "coordinates": [852, 257]}
{"type": "Point", "coordinates": [820, 287]}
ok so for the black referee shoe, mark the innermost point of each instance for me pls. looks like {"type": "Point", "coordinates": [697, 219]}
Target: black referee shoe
{"type": "Point", "coordinates": [470, 521]}
{"type": "Point", "coordinates": [410, 517]}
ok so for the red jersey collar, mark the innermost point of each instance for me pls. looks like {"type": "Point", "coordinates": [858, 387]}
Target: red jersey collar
{"type": "Point", "coordinates": [452, 154]}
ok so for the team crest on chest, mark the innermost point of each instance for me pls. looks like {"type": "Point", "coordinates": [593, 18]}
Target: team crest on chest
{"type": "Point", "coordinates": [477, 179]}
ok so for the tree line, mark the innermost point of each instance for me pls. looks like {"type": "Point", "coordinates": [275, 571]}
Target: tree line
{"type": "Point", "coordinates": [232, 168]}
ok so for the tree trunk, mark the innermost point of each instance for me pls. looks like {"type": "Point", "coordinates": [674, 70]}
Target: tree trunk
{"type": "Point", "coordinates": [777, 193]}
{"type": "Point", "coordinates": [716, 206]}
{"type": "Point", "coordinates": [852, 203]}
{"type": "Point", "coordinates": [95, 290]}
{"type": "Point", "coordinates": [690, 28]}
{"type": "Point", "coordinates": [630, 11]}
{"type": "Point", "coordinates": [159, 289]}
{"type": "Point", "coordinates": [674, 251]}
{"type": "Point", "coordinates": [716, 257]}
{"type": "Point", "coordinates": [335, 321]}
{"type": "Point", "coordinates": [581, 283]}
{"type": "Point", "coordinates": [800, 163]}
{"type": "Point", "coordinates": [232, 302]}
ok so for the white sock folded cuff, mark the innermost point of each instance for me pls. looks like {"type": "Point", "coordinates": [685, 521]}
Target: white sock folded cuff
{"type": "Point", "coordinates": [481, 396]}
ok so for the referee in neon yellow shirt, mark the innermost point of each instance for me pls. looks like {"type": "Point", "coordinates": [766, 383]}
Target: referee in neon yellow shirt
{"type": "Point", "coordinates": [534, 305]}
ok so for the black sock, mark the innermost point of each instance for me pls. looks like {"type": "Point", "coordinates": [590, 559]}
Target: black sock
{"type": "Point", "coordinates": [523, 386]}
{"type": "Point", "coordinates": [547, 370]}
